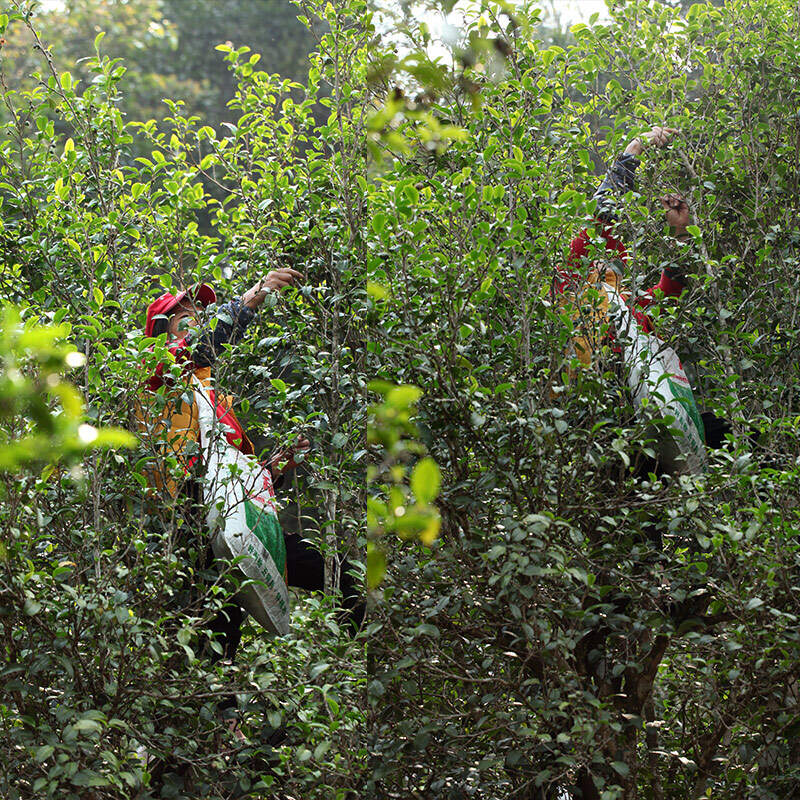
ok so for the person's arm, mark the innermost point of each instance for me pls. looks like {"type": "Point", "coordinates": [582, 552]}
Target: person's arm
{"type": "Point", "coordinates": [277, 280]}
{"type": "Point", "coordinates": [619, 179]}
{"type": "Point", "coordinates": [234, 317]}
{"type": "Point", "coordinates": [673, 280]}
{"type": "Point", "coordinates": [232, 321]}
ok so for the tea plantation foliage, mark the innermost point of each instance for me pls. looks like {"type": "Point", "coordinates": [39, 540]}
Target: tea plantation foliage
{"type": "Point", "coordinates": [545, 620]}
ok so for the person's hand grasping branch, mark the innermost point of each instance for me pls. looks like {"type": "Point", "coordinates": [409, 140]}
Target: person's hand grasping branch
{"type": "Point", "coordinates": [276, 280]}
{"type": "Point", "coordinates": [658, 136]}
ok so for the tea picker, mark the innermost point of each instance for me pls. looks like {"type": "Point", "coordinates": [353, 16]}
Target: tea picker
{"type": "Point", "coordinates": [653, 372]}
{"type": "Point", "coordinates": [197, 425]}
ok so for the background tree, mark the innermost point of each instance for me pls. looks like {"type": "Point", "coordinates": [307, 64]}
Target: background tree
{"type": "Point", "coordinates": [167, 48]}
{"type": "Point", "coordinates": [268, 27]}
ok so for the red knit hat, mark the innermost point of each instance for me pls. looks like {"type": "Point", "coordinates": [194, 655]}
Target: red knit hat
{"type": "Point", "coordinates": [201, 293]}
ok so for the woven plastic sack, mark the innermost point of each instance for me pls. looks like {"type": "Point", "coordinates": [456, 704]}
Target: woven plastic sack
{"type": "Point", "coordinates": [243, 519]}
{"type": "Point", "coordinates": [656, 378]}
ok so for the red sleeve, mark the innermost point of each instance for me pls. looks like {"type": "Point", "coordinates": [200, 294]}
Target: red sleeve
{"type": "Point", "coordinates": [181, 353]}
{"type": "Point", "coordinates": [156, 381]}
{"type": "Point", "coordinates": [579, 250]}
{"type": "Point", "coordinates": [669, 287]}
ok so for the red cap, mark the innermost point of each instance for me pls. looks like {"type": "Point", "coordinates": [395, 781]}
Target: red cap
{"type": "Point", "coordinates": [201, 293]}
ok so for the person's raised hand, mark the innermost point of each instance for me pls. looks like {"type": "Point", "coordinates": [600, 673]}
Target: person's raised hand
{"type": "Point", "coordinates": [657, 136]}
{"type": "Point", "coordinates": [275, 280]}
{"type": "Point", "coordinates": [279, 279]}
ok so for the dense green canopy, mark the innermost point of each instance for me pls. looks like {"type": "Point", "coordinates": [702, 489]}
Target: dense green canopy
{"type": "Point", "coordinates": [549, 617]}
